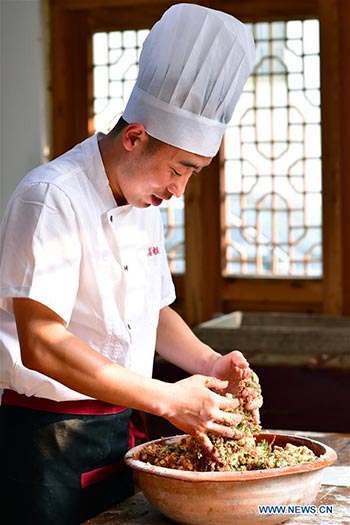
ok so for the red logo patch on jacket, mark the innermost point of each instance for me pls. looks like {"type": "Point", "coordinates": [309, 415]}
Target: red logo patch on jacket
{"type": "Point", "coordinates": [153, 250]}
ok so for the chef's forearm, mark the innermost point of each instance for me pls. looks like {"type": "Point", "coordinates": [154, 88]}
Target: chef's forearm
{"type": "Point", "coordinates": [177, 343]}
{"type": "Point", "coordinates": [48, 348]}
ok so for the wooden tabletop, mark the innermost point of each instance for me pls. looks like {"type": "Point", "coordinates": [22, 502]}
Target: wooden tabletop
{"type": "Point", "coordinates": [137, 510]}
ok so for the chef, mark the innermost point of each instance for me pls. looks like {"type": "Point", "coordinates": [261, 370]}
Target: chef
{"type": "Point", "coordinates": [86, 290]}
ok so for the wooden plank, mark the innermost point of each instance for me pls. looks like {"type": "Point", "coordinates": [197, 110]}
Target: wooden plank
{"type": "Point", "coordinates": [202, 275]}
{"type": "Point", "coordinates": [249, 9]}
{"type": "Point", "coordinates": [344, 72]}
{"type": "Point", "coordinates": [261, 305]}
{"type": "Point", "coordinates": [194, 301]}
{"type": "Point", "coordinates": [331, 181]}
{"type": "Point", "coordinates": [210, 218]}
{"type": "Point", "coordinates": [87, 5]}
{"type": "Point", "coordinates": [268, 10]}
{"type": "Point", "coordinates": [288, 291]}
{"type": "Point", "coordinates": [140, 15]}
{"type": "Point", "coordinates": [69, 78]}
{"type": "Point", "coordinates": [121, 19]}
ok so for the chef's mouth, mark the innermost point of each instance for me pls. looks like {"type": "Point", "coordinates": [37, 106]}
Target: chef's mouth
{"type": "Point", "coordinates": [157, 201]}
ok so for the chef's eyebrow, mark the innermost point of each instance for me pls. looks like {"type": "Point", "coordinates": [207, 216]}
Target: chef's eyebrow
{"type": "Point", "coordinates": [188, 164]}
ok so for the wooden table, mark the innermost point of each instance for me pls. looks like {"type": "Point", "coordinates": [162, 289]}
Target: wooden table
{"type": "Point", "coordinates": [137, 510]}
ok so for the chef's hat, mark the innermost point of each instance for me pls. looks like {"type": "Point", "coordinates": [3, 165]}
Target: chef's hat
{"type": "Point", "coordinates": [193, 67]}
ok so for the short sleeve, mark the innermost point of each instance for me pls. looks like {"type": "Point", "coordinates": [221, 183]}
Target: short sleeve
{"type": "Point", "coordinates": [40, 249]}
{"type": "Point", "coordinates": [168, 294]}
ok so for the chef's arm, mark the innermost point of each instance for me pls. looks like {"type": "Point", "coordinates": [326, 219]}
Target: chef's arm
{"type": "Point", "coordinates": [177, 343]}
{"type": "Point", "coordinates": [49, 348]}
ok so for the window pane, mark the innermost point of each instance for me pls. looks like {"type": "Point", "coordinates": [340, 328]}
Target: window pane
{"type": "Point", "coordinates": [272, 158]}
{"type": "Point", "coordinates": [115, 64]}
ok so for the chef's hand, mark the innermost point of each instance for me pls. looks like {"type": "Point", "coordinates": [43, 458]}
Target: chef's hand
{"type": "Point", "coordinates": [197, 408]}
{"type": "Point", "coordinates": [233, 367]}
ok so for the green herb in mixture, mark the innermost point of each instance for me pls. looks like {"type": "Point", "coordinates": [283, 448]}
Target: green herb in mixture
{"type": "Point", "coordinates": [246, 453]}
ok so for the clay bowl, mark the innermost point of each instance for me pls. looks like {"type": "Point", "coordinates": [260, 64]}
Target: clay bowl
{"type": "Point", "coordinates": [210, 498]}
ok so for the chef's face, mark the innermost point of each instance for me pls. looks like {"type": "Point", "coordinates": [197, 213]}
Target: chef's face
{"type": "Point", "coordinates": [156, 171]}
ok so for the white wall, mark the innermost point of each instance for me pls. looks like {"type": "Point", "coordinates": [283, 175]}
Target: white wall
{"type": "Point", "coordinates": [23, 134]}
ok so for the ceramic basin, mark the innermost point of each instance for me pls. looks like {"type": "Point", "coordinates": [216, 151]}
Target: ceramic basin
{"type": "Point", "coordinates": [210, 498]}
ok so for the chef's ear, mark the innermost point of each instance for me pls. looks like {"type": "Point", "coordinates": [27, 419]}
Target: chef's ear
{"type": "Point", "coordinates": [133, 135]}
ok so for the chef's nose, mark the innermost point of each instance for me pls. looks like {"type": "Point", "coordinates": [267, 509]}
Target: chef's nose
{"type": "Point", "coordinates": [178, 188]}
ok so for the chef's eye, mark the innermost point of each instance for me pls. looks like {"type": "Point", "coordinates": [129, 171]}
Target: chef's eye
{"type": "Point", "coordinates": [181, 174]}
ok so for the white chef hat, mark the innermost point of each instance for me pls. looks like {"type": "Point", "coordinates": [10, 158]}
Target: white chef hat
{"type": "Point", "coordinates": [193, 67]}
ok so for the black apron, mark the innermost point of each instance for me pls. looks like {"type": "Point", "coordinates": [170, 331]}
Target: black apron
{"type": "Point", "coordinates": [62, 468]}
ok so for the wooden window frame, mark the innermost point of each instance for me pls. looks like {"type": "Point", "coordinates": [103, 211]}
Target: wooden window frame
{"type": "Point", "coordinates": [202, 291]}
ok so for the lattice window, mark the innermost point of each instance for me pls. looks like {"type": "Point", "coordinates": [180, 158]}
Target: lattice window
{"type": "Point", "coordinates": [272, 158]}
{"type": "Point", "coordinates": [115, 65]}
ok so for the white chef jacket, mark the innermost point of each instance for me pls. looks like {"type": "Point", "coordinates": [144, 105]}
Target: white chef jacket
{"type": "Point", "coordinates": [102, 268]}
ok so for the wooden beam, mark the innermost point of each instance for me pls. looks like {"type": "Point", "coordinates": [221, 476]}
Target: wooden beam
{"type": "Point", "coordinates": [134, 17]}
{"type": "Point", "coordinates": [331, 153]}
{"type": "Point", "coordinates": [344, 71]}
{"type": "Point", "coordinates": [273, 290]}
{"type": "Point", "coordinates": [69, 78]}
{"type": "Point", "coordinates": [202, 222]}
{"type": "Point", "coordinates": [267, 10]}
{"type": "Point", "coordinates": [247, 9]}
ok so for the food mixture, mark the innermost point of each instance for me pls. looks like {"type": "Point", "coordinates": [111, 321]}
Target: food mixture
{"type": "Point", "coordinates": [246, 453]}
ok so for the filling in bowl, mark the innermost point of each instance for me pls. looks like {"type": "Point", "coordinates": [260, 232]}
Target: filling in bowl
{"type": "Point", "coordinates": [246, 453]}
